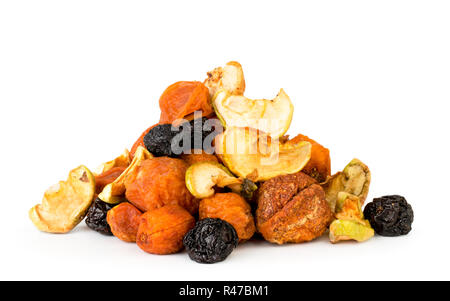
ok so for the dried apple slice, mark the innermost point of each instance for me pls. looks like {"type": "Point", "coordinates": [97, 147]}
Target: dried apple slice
{"type": "Point", "coordinates": [229, 78]}
{"type": "Point", "coordinates": [65, 204]}
{"type": "Point", "coordinates": [270, 116]}
{"type": "Point", "coordinates": [354, 179]}
{"type": "Point", "coordinates": [122, 161]}
{"type": "Point", "coordinates": [113, 192]}
{"type": "Point", "coordinates": [249, 153]}
{"type": "Point", "coordinates": [203, 176]}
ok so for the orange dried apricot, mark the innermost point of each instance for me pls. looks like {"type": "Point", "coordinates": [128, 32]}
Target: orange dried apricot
{"type": "Point", "coordinates": [319, 166]}
{"type": "Point", "coordinates": [158, 182]}
{"type": "Point", "coordinates": [124, 221]}
{"type": "Point", "coordinates": [231, 208]}
{"type": "Point", "coordinates": [161, 231]}
{"type": "Point", "coordinates": [183, 98]}
{"type": "Point", "coordinates": [195, 158]}
{"type": "Point", "coordinates": [107, 177]}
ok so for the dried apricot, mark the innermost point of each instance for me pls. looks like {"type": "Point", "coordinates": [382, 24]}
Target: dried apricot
{"type": "Point", "coordinates": [319, 165]}
{"type": "Point", "coordinates": [195, 158]}
{"type": "Point", "coordinates": [232, 208]}
{"type": "Point", "coordinates": [124, 221]}
{"type": "Point", "coordinates": [161, 231]}
{"type": "Point", "coordinates": [107, 177]}
{"type": "Point", "coordinates": [183, 98]}
{"type": "Point", "coordinates": [158, 182]}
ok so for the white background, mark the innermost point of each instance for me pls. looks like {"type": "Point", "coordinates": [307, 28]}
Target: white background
{"type": "Point", "coordinates": [80, 81]}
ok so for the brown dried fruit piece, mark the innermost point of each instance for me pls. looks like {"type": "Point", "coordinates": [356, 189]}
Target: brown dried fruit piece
{"type": "Point", "coordinates": [292, 209]}
{"type": "Point", "coordinates": [195, 158]}
{"type": "Point", "coordinates": [158, 182]}
{"type": "Point", "coordinates": [124, 221]}
{"type": "Point", "coordinates": [65, 204]}
{"type": "Point", "coordinates": [319, 165]}
{"type": "Point", "coordinates": [231, 208]}
{"type": "Point", "coordinates": [107, 177]}
{"type": "Point", "coordinates": [161, 231]}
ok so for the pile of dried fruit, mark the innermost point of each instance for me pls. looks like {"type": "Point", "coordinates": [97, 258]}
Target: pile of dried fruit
{"type": "Point", "coordinates": [207, 184]}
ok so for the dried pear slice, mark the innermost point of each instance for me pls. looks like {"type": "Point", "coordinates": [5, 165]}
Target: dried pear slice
{"type": "Point", "coordinates": [201, 178]}
{"type": "Point", "coordinates": [122, 161]}
{"type": "Point", "coordinates": [354, 179]}
{"type": "Point", "coordinates": [229, 78]}
{"type": "Point", "coordinates": [65, 204]}
{"type": "Point", "coordinates": [348, 207]}
{"type": "Point", "coordinates": [270, 116]}
{"type": "Point", "coordinates": [249, 153]}
{"type": "Point", "coordinates": [350, 230]}
{"type": "Point", "coordinates": [113, 192]}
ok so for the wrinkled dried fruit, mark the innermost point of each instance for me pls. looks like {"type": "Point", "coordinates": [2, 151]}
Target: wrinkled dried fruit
{"type": "Point", "coordinates": [65, 204]}
{"type": "Point", "coordinates": [252, 154]}
{"type": "Point", "coordinates": [171, 141]}
{"type": "Point", "coordinates": [113, 193]}
{"type": "Point", "coordinates": [354, 179]}
{"type": "Point", "coordinates": [319, 165]}
{"type": "Point", "coordinates": [390, 215]}
{"type": "Point", "coordinates": [229, 78]}
{"type": "Point", "coordinates": [107, 177]}
{"type": "Point", "coordinates": [158, 182]}
{"type": "Point", "coordinates": [211, 240]}
{"type": "Point", "coordinates": [96, 217]}
{"type": "Point", "coordinates": [124, 221]}
{"type": "Point", "coordinates": [231, 208]}
{"type": "Point", "coordinates": [161, 231]}
{"type": "Point", "coordinates": [350, 230]}
{"type": "Point", "coordinates": [292, 209]}
{"type": "Point", "coordinates": [350, 223]}
{"type": "Point", "coordinates": [183, 98]}
{"type": "Point", "coordinates": [193, 158]}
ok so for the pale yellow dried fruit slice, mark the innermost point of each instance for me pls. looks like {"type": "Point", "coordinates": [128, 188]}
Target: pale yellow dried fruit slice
{"type": "Point", "coordinates": [350, 230]}
{"type": "Point", "coordinates": [113, 192]}
{"type": "Point", "coordinates": [354, 179]}
{"type": "Point", "coordinates": [229, 78]}
{"type": "Point", "coordinates": [348, 207]}
{"type": "Point", "coordinates": [65, 204]}
{"type": "Point", "coordinates": [251, 154]}
{"type": "Point", "coordinates": [201, 178]}
{"type": "Point", "coordinates": [122, 161]}
{"type": "Point", "coordinates": [270, 116]}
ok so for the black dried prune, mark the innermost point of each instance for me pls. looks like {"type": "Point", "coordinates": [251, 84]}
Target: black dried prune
{"type": "Point", "coordinates": [196, 134]}
{"type": "Point", "coordinates": [390, 215]}
{"type": "Point", "coordinates": [96, 217]}
{"type": "Point", "coordinates": [211, 240]}
{"type": "Point", "coordinates": [158, 140]}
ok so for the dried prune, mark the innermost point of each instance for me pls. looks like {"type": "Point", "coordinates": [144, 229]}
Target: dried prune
{"type": "Point", "coordinates": [96, 217]}
{"type": "Point", "coordinates": [390, 215]}
{"type": "Point", "coordinates": [171, 141]}
{"type": "Point", "coordinates": [211, 240]}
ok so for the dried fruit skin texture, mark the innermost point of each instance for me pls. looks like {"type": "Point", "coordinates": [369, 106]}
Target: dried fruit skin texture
{"type": "Point", "coordinates": [195, 158]}
{"type": "Point", "coordinates": [96, 217]}
{"type": "Point", "coordinates": [108, 177]}
{"type": "Point", "coordinates": [158, 182]}
{"type": "Point", "coordinates": [319, 165]}
{"type": "Point", "coordinates": [292, 209]}
{"type": "Point", "coordinates": [390, 215]}
{"type": "Point", "coordinates": [161, 231]}
{"type": "Point", "coordinates": [232, 208]}
{"type": "Point", "coordinates": [183, 98]}
{"type": "Point", "coordinates": [211, 240]}
{"type": "Point", "coordinates": [124, 221]}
